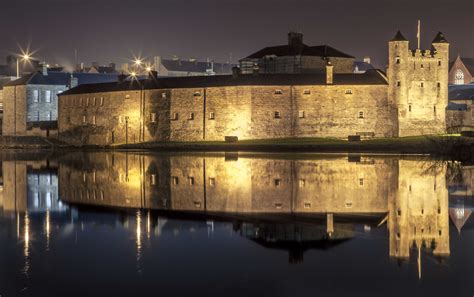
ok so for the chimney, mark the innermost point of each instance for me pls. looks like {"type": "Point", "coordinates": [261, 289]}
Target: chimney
{"type": "Point", "coordinates": [73, 81]}
{"type": "Point", "coordinates": [45, 69]}
{"type": "Point", "coordinates": [367, 59]}
{"type": "Point", "coordinates": [295, 39]}
{"type": "Point", "coordinates": [121, 78]}
{"type": "Point", "coordinates": [235, 72]}
{"type": "Point", "coordinates": [329, 73]}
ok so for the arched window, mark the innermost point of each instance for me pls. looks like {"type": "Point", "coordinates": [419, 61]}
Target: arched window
{"type": "Point", "coordinates": [459, 77]}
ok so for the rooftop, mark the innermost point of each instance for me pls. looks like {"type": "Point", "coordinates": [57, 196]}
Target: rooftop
{"type": "Point", "coordinates": [196, 66]}
{"type": "Point", "coordinates": [61, 78]}
{"type": "Point", "coordinates": [371, 77]}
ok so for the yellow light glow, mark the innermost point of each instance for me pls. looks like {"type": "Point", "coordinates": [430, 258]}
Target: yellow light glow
{"type": "Point", "coordinates": [133, 74]}
{"type": "Point", "coordinates": [138, 62]}
{"type": "Point", "coordinates": [148, 69]}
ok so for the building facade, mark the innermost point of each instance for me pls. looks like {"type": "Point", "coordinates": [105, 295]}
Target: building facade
{"type": "Point", "coordinates": [411, 100]}
{"type": "Point", "coordinates": [30, 104]}
{"type": "Point", "coordinates": [461, 71]}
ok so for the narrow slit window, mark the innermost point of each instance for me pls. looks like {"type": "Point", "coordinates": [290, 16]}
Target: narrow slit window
{"type": "Point", "coordinates": [191, 116]}
{"type": "Point", "coordinates": [277, 182]}
{"type": "Point", "coordinates": [211, 115]}
{"type": "Point", "coordinates": [153, 117]}
{"type": "Point", "coordinates": [399, 83]}
{"type": "Point", "coordinates": [277, 115]}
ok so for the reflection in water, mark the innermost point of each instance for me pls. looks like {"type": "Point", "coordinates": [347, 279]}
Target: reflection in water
{"type": "Point", "coordinates": [296, 204]}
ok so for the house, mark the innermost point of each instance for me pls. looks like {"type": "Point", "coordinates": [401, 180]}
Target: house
{"type": "Point", "coordinates": [461, 71]}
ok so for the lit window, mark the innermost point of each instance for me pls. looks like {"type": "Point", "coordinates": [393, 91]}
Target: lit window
{"type": "Point", "coordinates": [409, 107]}
{"type": "Point", "coordinates": [87, 101]}
{"type": "Point", "coordinates": [277, 182]}
{"type": "Point", "coordinates": [153, 117]}
{"type": "Point", "coordinates": [93, 120]}
{"type": "Point", "coordinates": [35, 96]}
{"type": "Point", "coordinates": [153, 179]}
{"type": "Point", "coordinates": [47, 98]}
{"type": "Point", "coordinates": [101, 101]}
{"type": "Point", "coordinates": [197, 204]}
{"type": "Point", "coordinates": [197, 94]}
{"type": "Point", "coordinates": [163, 95]}
{"type": "Point", "coordinates": [301, 114]}
{"type": "Point", "coordinates": [191, 180]}
{"type": "Point", "coordinates": [211, 115]}
{"type": "Point", "coordinates": [307, 92]}
{"type": "Point", "coordinates": [175, 116]}
{"type": "Point", "coordinates": [94, 101]}
{"type": "Point", "coordinates": [278, 92]}
{"type": "Point", "coordinates": [348, 92]}
{"type": "Point", "coordinates": [361, 115]}
{"type": "Point", "coordinates": [278, 205]}
{"type": "Point", "coordinates": [307, 205]}
{"type": "Point", "coordinates": [48, 116]}
{"type": "Point", "coordinates": [84, 118]}
{"type": "Point", "coordinates": [277, 115]}
{"type": "Point", "coordinates": [191, 116]}
{"type": "Point", "coordinates": [459, 77]}
{"type": "Point", "coordinates": [302, 183]}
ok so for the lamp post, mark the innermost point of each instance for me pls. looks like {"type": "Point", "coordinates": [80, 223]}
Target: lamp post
{"type": "Point", "coordinates": [25, 57]}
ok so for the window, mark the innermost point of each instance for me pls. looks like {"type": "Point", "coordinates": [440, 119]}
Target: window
{"type": "Point", "coordinates": [277, 182]}
{"type": "Point", "coordinates": [438, 85]}
{"type": "Point", "coordinates": [302, 183]}
{"type": "Point", "coordinates": [278, 92]}
{"type": "Point", "coordinates": [191, 116]}
{"type": "Point", "coordinates": [153, 179]}
{"type": "Point", "coordinates": [175, 180]}
{"type": "Point", "coordinates": [278, 205]}
{"type": "Point", "coordinates": [153, 117]}
{"type": "Point", "coordinates": [361, 115]}
{"type": "Point", "coordinates": [120, 119]}
{"type": "Point", "coordinates": [93, 120]}
{"type": "Point", "coordinates": [175, 116]}
{"type": "Point", "coordinates": [348, 204]}
{"type": "Point", "coordinates": [422, 84]}
{"type": "Point", "coordinates": [197, 94]}
{"type": "Point", "coordinates": [409, 107]}
{"type": "Point", "coordinates": [307, 205]}
{"type": "Point", "coordinates": [397, 60]}
{"type": "Point", "coordinates": [84, 119]}
{"type": "Point", "coordinates": [439, 63]}
{"type": "Point", "coordinates": [87, 101]}
{"type": "Point", "coordinates": [101, 101]}
{"type": "Point", "coordinates": [361, 181]}
{"type": "Point", "coordinates": [277, 115]}
{"type": "Point", "coordinates": [307, 92]}
{"type": "Point", "coordinates": [191, 180]}
{"type": "Point", "coordinates": [398, 83]}
{"type": "Point", "coordinates": [127, 96]}
{"type": "Point", "coordinates": [163, 95]}
{"type": "Point", "coordinates": [69, 119]}
{"type": "Point", "coordinates": [94, 101]}
{"type": "Point", "coordinates": [301, 114]}
{"type": "Point", "coordinates": [348, 92]}
{"type": "Point", "coordinates": [37, 116]}
{"type": "Point", "coordinates": [421, 66]}
{"type": "Point", "coordinates": [35, 96]}
{"type": "Point", "coordinates": [434, 109]}
{"type": "Point", "coordinates": [47, 97]}
{"type": "Point", "coordinates": [48, 116]}
{"type": "Point", "coordinates": [197, 204]}
{"type": "Point", "coordinates": [459, 77]}
{"type": "Point", "coordinates": [212, 181]}
{"type": "Point", "coordinates": [211, 115]}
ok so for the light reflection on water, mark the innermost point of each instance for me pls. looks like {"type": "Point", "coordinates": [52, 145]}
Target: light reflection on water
{"type": "Point", "coordinates": [181, 209]}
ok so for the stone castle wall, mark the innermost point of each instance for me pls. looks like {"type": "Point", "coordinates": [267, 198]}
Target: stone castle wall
{"type": "Point", "coordinates": [248, 112]}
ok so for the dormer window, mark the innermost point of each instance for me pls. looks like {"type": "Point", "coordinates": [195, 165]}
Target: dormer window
{"type": "Point", "coordinates": [278, 92]}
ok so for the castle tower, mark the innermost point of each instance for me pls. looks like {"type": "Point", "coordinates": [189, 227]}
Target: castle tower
{"type": "Point", "coordinates": [418, 82]}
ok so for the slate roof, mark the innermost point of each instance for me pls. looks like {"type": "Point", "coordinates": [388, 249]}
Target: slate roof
{"type": "Point", "coordinates": [399, 37]}
{"type": "Point", "coordinates": [196, 66]}
{"type": "Point", "coordinates": [461, 92]}
{"type": "Point", "coordinates": [371, 77]}
{"type": "Point", "coordinates": [61, 78]}
{"type": "Point", "coordinates": [299, 50]}
{"type": "Point", "coordinates": [439, 38]}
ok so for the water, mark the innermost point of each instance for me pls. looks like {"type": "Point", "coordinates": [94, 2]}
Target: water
{"type": "Point", "coordinates": [129, 224]}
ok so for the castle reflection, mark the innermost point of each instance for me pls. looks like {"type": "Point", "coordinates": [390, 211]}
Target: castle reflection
{"type": "Point", "coordinates": [311, 202]}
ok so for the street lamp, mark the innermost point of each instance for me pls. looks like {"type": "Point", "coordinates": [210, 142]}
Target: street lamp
{"type": "Point", "coordinates": [25, 57]}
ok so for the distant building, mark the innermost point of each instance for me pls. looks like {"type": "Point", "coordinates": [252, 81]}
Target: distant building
{"type": "Point", "coordinates": [97, 68]}
{"type": "Point", "coordinates": [461, 71]}
{"type": "Point", "coordinates": [297, 57]}
{"type": "Point", "coordinates": [363, 66]}
{"type": "Point", "coordinates": [8, 70]}
{"type": "Point", "coordinates": [459, 111]}
{"type": "Point", "coordinates": [191, 67]}
{"type": "Point", "coordinates": [30, 104]}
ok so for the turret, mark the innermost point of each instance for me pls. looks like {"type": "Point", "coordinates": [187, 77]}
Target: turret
{"type": "Point", "coordinates": [440, 49]}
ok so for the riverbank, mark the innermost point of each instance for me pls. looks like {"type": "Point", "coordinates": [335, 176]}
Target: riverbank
{"type": "Point", "coordinates": [449, 145]}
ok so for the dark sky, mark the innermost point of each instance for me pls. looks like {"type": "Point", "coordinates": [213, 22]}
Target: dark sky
{"type": "Point", "coordinates": [113, 30]}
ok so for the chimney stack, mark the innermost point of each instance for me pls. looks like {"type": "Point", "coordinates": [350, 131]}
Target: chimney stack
{"type": "Point", "coordinates": [73, 81]}
{"type": "Point", "coordinates": [45, 69]}
{"type": "Point", "coordinates": [295, 39]}
{"type": "Point", "coordinates": [329, 73]}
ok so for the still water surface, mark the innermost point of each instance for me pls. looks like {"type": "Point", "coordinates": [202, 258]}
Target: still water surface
{"type": "Point", "coordinates": [130, 224]}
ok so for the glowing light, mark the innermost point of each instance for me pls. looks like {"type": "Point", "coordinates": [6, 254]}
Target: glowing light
{"type": "Point", "coordinates": [138, 62]}
{"type": "Point", "coordinates": [148, 69]}
{"type": "Point", "coordinates": [133, 74]}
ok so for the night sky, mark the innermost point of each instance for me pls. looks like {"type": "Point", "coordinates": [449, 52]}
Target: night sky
{"type": "Point", "coordinates": [113, 30]}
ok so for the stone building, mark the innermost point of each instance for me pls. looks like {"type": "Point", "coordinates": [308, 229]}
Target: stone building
{"type": "Point", "coordinates": [297, 57]}
{"type": "Point", "coordinates": [461, 71]}
{"type": "Point", "coordinates": [30, 104]}
{"type": "Point", "coordinates": [410, 101]}
{"type": "Point", "coordinates": [191, 67]}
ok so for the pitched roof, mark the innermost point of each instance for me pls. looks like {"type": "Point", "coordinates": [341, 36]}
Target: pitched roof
{"type": "Point", "coordinates": [439, 38]}
{"type": "Point", "coordinates": [61, 78]}
{"type": "Point", "coordinates": [299, 50]}
{"type": "Point", "coordinates": [469, 63]}
{"type": "Point", "coordinates": [363, 66]}
{"type": "Point", "coordinates": [371, 77]}
{"type": "Point", "coordinates": [399, 37]}
{"type": "Point", "coordinates": [196, 66]}
{"type": "Point", "coordinates": [461, 92]}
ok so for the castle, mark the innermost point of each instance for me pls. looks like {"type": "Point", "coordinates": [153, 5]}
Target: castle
{"type": "Point", "coordinates": [409, 100]}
